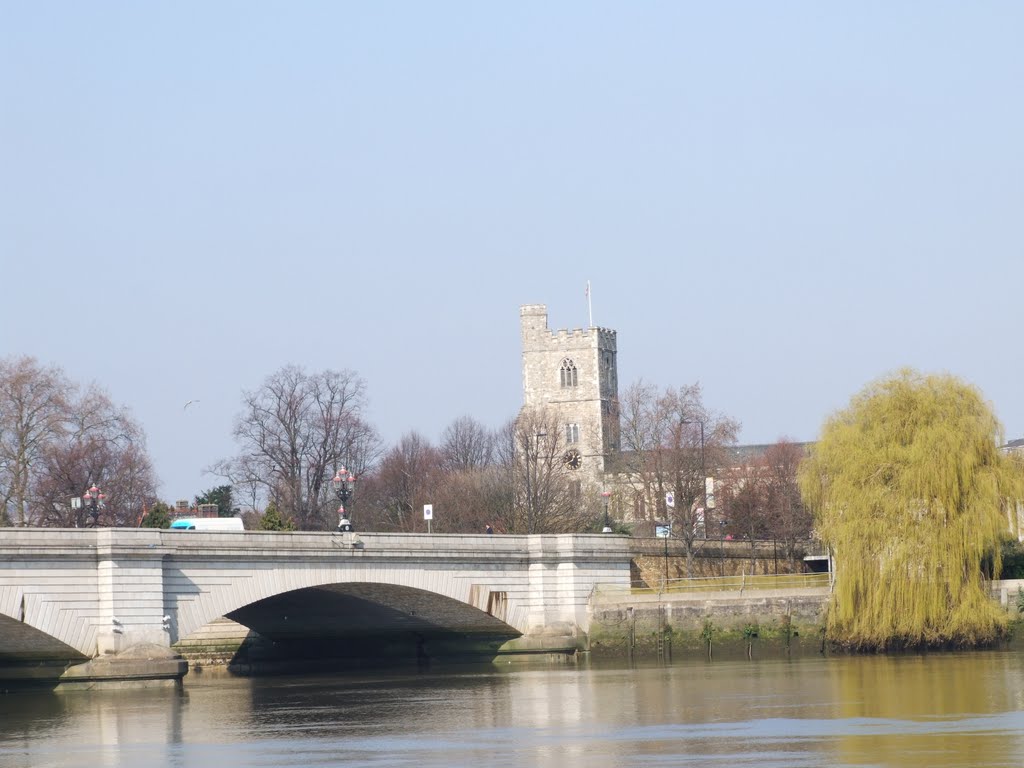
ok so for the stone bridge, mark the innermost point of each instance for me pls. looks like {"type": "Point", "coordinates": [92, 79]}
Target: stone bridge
{"type": "Point", "coordinates": [68, 596]}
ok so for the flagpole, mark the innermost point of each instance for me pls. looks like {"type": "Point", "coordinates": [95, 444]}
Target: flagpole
{"type": "Point", "coordinates": [590, 310]}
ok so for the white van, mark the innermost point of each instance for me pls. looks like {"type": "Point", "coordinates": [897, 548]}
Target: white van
{"type": "Point", "coordinates": [208, 524]}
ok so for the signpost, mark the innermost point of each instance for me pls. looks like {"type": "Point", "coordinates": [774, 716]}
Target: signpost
{"type": "Point", "coordinates": [664, 531]}
{"type": "Point", "coordinates": [428, 514]}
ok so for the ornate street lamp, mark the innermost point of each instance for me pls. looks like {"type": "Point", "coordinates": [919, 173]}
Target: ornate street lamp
{"type": "Point", "coordinates": [94, 499]}
{"type": "Point", "coordinates": [607, 526]}
{"type": "Point", "coordinates": [344, 488]}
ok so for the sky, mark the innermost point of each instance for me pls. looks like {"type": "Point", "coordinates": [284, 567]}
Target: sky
{"type": "Point", "coordinates": [780, 201]}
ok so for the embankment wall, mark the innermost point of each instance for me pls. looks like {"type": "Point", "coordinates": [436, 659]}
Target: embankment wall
{"type": "Point", "coordinates": [692, 625]}
{"type": "Point", "coordinates": [758, 624]}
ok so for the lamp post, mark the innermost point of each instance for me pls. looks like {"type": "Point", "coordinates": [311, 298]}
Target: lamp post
{"type": "Point", "coordinates": [668, 532]}
{"type": "Point", "coordinates": [344, 488]}
{"type": "Point", "coordinates": [721, 543]}
{"type": "Point", "coordinates": [607, 525]}
{"type": "Point", "coordinates": [94, 499]}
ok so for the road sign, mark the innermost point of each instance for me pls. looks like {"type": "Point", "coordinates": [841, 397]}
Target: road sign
{"type": "Point", "coordinates": [428, 511]}
{"type": "Point", "coordinates": [670, 499]}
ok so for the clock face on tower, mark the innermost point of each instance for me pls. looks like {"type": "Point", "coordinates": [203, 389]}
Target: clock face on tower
{"type": "Point", "coordinates": [572, 459]}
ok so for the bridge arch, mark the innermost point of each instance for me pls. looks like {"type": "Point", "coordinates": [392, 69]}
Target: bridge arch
{"type": "Point", "coordinates": [22, 642]}
{"type": "Point", "coordinates": [194, 599]}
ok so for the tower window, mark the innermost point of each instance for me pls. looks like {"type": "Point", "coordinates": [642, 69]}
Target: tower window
{"type": "Point", "coordinates": [568, 373]}
{"type": "Point", "coordinates": [572, 433]}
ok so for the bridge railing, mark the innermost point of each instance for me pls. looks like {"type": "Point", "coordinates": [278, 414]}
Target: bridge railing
{"type": "Point", "coordinates": [720, 584]}
{"type": "Point", "coordinates": [729, 547]}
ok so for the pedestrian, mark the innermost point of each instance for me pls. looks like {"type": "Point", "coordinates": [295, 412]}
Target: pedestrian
{"type": "Point", "coordinates": [488, 529]}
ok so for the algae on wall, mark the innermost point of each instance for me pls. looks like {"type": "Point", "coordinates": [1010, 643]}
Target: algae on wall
{"type": "Point", "coordinates": [678, 628]}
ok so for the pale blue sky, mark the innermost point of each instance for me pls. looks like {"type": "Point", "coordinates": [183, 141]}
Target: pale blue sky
{"type": "Point", "coordinates": [782, 201]}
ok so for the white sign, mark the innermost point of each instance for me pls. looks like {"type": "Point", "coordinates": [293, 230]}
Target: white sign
{"type": "Point", "coordinates": [428, 511]}
{"type": "Point", "coordinates": [670, 499]}
{"type": "Point", "coordinates": [709, 491]}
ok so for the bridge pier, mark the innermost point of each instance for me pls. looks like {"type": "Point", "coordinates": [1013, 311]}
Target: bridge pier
{"type": "Point", "coordinates": [138, 666]}
{"type": "Point", "coordinates": [130, 592]}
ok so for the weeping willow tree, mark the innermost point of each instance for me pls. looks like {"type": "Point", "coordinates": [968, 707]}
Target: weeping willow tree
{"type": "Point", "coordinates": [910, 490]}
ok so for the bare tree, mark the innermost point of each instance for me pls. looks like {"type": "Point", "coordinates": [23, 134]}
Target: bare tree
{"type": "Point", "coordinates": [547, 498]}
{"type": "Point", "coordinates": [103, 445]}
{"type": "Point", "coordinates": [243, 475]}
{"type": "Point", "coordinates": [464, 488]}
{"type": "Point", "coordinates": [466, 445]}
{"type": "Point", "coordinates": [745, 492]}
{"type": "Point", "coordinates": [789, 519]}
{"type": "Point", "coordinates": [405, 480]}
{"type": "Point", "coordinates": [464, 479]}
{"type": "Point", "coordinates": [33, 409]}
{"type": "Point", "coordinates": [672, 443]}
{"type": "Point", "coordinates": [469, 500]}
{"type": "Point", "coordinates": [295, 431]}
{"type": "Point", "coordinates": [56, 441]}
{"type": "Point", "coordinates": [763, 499]}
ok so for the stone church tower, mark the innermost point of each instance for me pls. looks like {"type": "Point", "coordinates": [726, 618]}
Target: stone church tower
{"type": "Point", "coordinates": [574, 376]}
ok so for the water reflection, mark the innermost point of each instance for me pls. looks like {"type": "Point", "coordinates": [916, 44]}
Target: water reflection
{"type": "Point", "coordinates": [916, 706]}
{"type": "Point", "coordinates": [947, 710]}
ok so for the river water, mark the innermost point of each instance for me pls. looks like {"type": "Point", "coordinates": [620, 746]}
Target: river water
{"type": "Point", "coordinates": [938, 710]}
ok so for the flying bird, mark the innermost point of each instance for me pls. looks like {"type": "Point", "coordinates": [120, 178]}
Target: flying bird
{"type": "Point", "coordinates": [188, 404]}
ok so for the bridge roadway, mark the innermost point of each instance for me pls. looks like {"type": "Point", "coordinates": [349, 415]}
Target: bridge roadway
{"type": "Point", "coordinates": [74, 598]}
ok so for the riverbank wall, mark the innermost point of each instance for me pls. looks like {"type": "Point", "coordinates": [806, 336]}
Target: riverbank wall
{"type": "Point", "coordinates": [755, 621]}
{"type": "Point", "coordinates": [765, 623]}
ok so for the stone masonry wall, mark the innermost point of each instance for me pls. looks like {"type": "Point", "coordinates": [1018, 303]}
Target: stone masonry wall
{"type": "Point", "coordinates": [758, 625]}
{"type": "Point", "coordinates": [593, 403]}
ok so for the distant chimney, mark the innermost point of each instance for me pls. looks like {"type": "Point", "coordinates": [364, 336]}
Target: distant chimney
{"type": "Point", "coordinates": [208, 510]}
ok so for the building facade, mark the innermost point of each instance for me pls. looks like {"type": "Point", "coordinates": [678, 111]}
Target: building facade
{"type": "Point", "coordinates": [572, 376]}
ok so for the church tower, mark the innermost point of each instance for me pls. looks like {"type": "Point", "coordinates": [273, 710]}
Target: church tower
{"type": "Point", "coordinates": [574, 376]}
